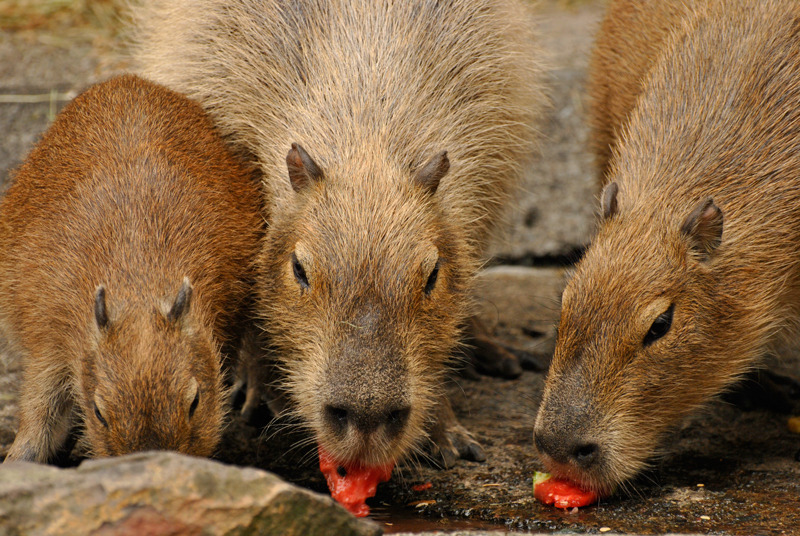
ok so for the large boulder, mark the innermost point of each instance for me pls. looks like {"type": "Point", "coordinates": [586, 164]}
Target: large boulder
{"type": "Point", "coordinates": [163, 493]}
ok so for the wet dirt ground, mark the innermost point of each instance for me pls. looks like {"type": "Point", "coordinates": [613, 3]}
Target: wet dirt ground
{"type": "Point", "coordinates": [731, 469]}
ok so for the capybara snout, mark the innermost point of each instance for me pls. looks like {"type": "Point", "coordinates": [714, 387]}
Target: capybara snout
{"type": "Point", "coordinates": [367, 398]}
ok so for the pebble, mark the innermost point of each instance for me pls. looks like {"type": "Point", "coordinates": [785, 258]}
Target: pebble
{"type": "Point", "coordinates": [422, 504]}
{"type": "Point", "coordinates": [794, 425]}
{"type": "Point", "coordinates": [605, 529]}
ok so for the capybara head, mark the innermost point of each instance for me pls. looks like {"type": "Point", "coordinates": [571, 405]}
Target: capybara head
{"type": "Point", "coordinates": [152, 382]}
{"type": "Point", "coordinates": [365, 294]}
{"type": "Point", "coordinates": [638, 341]}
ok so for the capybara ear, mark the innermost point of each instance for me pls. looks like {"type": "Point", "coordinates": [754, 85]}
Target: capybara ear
{"type": "Point", "coordinates": [703, 228]}
{"type": "Point", "coordinates": [431, 173]}
{"type": "Point", "coordinates": [192, 395]}
{"type": "Point", "coordinates": [608, 200]}
{"type": "Point", "coordinates": [100, 409]}
{"type": "Point", "coordinates": [100, 311]}
{"type": "Point", "coordinates": [302, 168]}
{"type": "Point", "coordinates": [182, 301]}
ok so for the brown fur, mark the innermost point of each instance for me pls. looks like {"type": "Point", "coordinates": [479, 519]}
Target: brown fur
{"type": "Point", "coordinates": [706, 219]}
{"type": "Point", "coordinates": [373, 90]}
{"type": "Point", "coordinates": [131, 191]}
{"type": "Point", "coordinates": [621, 57]}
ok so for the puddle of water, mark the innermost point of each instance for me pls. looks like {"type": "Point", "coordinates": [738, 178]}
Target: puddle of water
{"type": "Point", "coordinates": [396, 519]}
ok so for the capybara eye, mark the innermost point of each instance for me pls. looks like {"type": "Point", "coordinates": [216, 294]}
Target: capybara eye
{"type": "Point", "coordinates": [299, 272]}
{"type": "Point", "coordinates": [100, 416]}
{"type": "Point", "coordinates": [195, 402]}
{"type": "Point", "coordinates": [432, 279]}
{"type": "Point", "coordinates": [660, 326]}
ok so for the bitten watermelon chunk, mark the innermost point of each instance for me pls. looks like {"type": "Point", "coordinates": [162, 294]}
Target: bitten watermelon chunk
{"type": "Point", "coordinates": [559, 492]}
{"type": "Point", "coordinates": [351, 485]}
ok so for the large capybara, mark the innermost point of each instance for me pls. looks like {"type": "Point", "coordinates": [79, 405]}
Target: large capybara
{"type": "Point", "coordinates": [406, 125]}
{"type": "Point", "coordinates": [127, 245]}
{"type": "Point", "coordinates": [694, 270]}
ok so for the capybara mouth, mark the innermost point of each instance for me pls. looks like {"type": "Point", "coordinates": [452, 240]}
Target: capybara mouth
{"type": "Point", "coordinates": [367, 452]}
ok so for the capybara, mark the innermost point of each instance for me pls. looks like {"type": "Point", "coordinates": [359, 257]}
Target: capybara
{"type": "Point", "coordinates": [127, 247]}
{"type": "Point", "coordinates": [693, 272]}
{"type": "Point", "coordinates": [406, 126]}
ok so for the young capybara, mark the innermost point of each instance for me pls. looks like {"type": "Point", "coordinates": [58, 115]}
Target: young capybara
{"type": "Point", "coordinates": [693, 272]}
{"type": "Point", "coordinates": [406, 125]}
{"type": "Point", "coordinates": [127, 243]}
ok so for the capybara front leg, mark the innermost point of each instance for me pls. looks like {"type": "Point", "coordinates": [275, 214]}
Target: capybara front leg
{"type": "Point", "coordinates": [251, 373]}
{"type": "Point", "coordinates": [45, 417]}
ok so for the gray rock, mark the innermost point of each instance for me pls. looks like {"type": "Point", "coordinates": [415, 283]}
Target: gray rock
{"type": "Point", "coordinates": [9, 384]}
{"type": "Point", "coordinates": [521, 305]}
{"type": "Point", "coordinates": [163, 493]}
{"type": "Point", "coordinates": [39, 74]}
{"type": "Point", "coordinates": [554, 214]}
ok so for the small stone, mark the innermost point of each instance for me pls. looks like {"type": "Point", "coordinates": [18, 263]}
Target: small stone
{"type": "Point", "coordinates": [605, 529]}
{"type": "Point", "coordinates": [794, 425]}
{"type": "Point", "coordinates": [422, 504]}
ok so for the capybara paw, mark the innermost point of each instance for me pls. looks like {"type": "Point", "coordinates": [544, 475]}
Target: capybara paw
{"type": "Point", "coordinates": [22, 453]}
{"type": "Point", "coordinates": [465, 444]}
{"type": "Point", "coordinates": [537, 362]}
{"type": "Point", "coordinates": [494, 360]}
{"type": "Point", "coordinates": [453, 445]}
{"type": "Point", "coordinates": [443, 454]}
{"type": "Point", "coordinates": [451, 441]}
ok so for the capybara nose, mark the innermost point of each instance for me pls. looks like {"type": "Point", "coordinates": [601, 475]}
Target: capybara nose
{"type": "Point", "coordinates": [367, 420]}
{"type": "Point", "coordinates": [566, 450]}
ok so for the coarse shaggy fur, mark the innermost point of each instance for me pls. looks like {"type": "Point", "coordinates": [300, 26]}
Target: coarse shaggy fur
{"type": "Point", "coordinates": [127, 244]}
{"type": "Point", "coordinates": [372, 90]}
{"type": "Point", "coordinates": [701, 222]}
